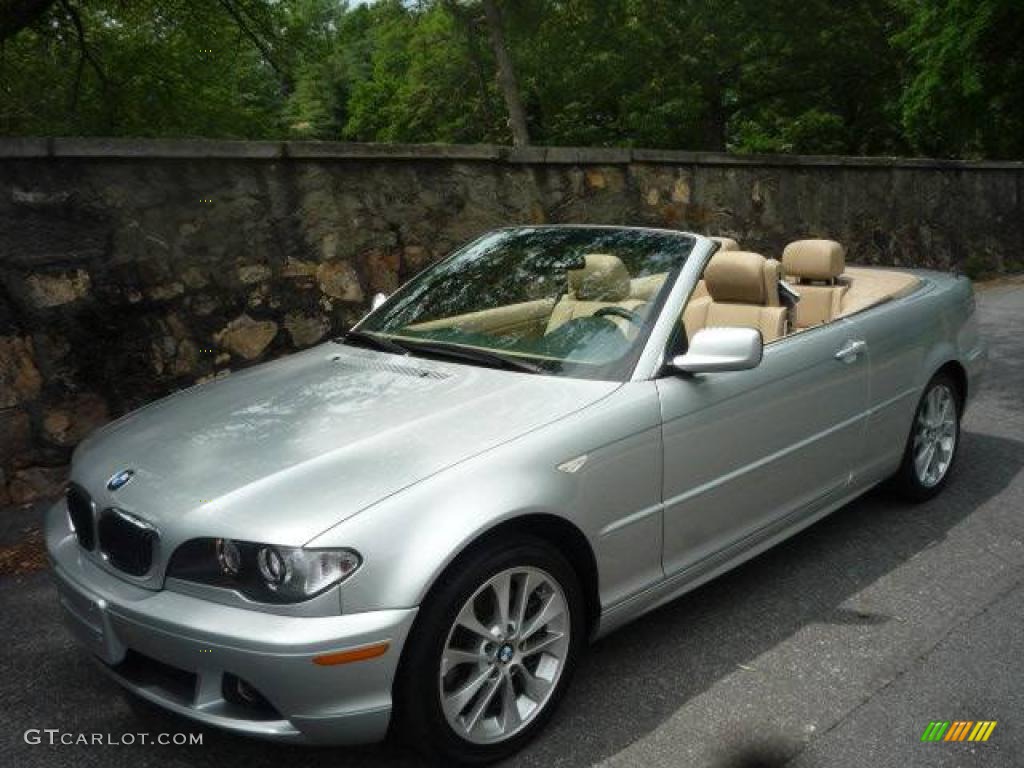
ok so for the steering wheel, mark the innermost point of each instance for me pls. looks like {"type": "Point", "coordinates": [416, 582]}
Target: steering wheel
{"type": "Point", "coordinates": [625, 314]}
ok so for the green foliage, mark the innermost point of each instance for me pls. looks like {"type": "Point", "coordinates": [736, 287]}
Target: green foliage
{"type": "Point", "coordinates": [965, 96]}
{"type": "Point", "coordinates": [179, 69]}
{"type": "Point", "coordinates": [811, 76]}
{"type": "Point", "coordinates": [423, 84]}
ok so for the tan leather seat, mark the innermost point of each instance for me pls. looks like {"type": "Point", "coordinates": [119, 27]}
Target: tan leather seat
{"type": "Point", "coordinates": [646, 288]}
{"type": "Point", "coordinates": [814, 267]}
{"type": "Point", "coordinates": [725, 243]}
{"type": "Point", "coordinates": [728, 244]}
{"type": "Point", "coordinates": [743, 292]}
{"type": "Point", "coordinates": [603, 282]}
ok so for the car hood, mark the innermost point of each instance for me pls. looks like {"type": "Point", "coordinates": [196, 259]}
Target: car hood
{"type": "Point", "coordinates": [281, 452]}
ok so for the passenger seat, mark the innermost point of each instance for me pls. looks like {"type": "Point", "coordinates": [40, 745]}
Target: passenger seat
{"type": "Point", "coordinates": [603, 282]}
{"type": "Point", "coordinates": [724, 244]}
{"type": "Point", "coordinates": [814, 268]}
{"type": "Point", "coordinates": [743, 292]}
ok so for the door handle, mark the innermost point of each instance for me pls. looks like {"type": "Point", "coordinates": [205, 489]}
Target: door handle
{"type": "Point", "coordinates": [850, 350]}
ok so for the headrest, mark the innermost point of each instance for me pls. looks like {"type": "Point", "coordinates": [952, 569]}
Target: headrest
{"type": "Point", "coordinates": [737, 277]}
{"type": "Point", "coordinates": [726, 243]}
{"type": "Point", "coordinates": [603, 278]}
{"type": "Point", "coordinates": [814, 259]}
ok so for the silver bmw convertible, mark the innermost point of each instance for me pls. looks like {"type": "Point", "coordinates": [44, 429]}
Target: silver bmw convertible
{"type": "Point", "coordinates": [421, 524]}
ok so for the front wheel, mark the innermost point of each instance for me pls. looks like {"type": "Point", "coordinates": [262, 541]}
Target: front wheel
{"type": "Point", "coordinates": [933, 441]}
{"type": "Point", "coordinates": [492, 653]}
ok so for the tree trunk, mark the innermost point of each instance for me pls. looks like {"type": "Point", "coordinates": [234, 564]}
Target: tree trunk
{"type": "Point", "coordinates": [473, 36]}
{"type": "Point", "coordinates": [716, 121]}
{"type": "Point", "coordinates": [506, 75]}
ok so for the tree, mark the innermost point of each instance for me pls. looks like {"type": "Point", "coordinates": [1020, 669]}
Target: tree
{"type": "Point", "coordinates": [16, 15]}
{"type": "Point", "coordinates": [506, 74]}
{"type": "Point", "coordinates": [154, 67]}
{"type": "Point", "coordinates": [965, 93]}
{"type": "Point", "coordinates": [810, 76]}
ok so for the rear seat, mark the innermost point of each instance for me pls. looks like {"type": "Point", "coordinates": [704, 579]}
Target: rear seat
{"type": "Point", "coordinates": [725, 243]}
{"type": "Point", "coordinates": [814, 268]}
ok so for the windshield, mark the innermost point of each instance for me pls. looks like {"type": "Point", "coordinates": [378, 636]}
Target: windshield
{"type": "Point", "coordinates": [572, 301]}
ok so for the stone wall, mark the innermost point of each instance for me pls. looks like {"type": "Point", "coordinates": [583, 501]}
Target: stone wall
{"type": "Point", "coordinates": [129, 269]}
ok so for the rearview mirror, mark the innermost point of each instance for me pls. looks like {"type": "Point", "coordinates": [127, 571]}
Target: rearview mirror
{"type": "Point", "coordinates": [721, 349]}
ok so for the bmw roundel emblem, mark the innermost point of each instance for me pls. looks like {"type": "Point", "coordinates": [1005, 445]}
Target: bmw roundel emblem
{"type": "Point", "coordinates": [120, 479]}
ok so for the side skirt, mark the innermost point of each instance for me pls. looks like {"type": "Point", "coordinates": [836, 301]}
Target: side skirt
{"type": "Point", "coordinates": [681, 582]}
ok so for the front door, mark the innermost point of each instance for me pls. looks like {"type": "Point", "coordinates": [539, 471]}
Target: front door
{"type": "Point", "coordinates": [746, 449]}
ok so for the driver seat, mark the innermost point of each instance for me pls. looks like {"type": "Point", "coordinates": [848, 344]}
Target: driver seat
{"type": "Point", "coordinates": [602, 282]}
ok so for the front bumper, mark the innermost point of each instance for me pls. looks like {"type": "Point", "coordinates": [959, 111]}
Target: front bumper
{"type": "Point", "coordinates": [179, 652]}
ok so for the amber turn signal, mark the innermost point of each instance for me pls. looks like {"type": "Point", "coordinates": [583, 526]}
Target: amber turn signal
{"type": "Point", "coordinates": [356, 654]}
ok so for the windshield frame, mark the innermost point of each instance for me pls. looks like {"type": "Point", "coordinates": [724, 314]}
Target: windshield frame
{"type": "Point", "coordinates": [620, 369]}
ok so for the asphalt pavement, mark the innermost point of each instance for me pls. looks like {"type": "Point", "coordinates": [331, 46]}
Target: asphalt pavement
{"type": "Point", "coordinates": [836, 648]}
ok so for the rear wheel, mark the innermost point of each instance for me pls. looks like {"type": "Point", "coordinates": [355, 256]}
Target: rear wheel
{"type": "Point", "coordinates": [933, 441]}
{"type": "Point", "coordinates": [491, 654]}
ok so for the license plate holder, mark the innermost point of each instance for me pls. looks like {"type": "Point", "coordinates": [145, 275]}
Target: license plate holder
{"type": "Point", "coordinates": [89, 621]}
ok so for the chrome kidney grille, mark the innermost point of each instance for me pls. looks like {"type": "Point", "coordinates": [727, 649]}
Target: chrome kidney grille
{"type": "Point", "coordinates": [126, 541]}
{"type": "Point", "coordinates": [80, 512]}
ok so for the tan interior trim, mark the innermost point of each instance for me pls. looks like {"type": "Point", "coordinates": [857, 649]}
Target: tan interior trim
{"type": "Point", "coordinates": [494, 320]}
{"type": "Point", "coordinates": [868, 286]}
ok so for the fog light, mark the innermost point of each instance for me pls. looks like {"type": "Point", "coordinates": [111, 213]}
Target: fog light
{"type": "Point", "coordinates": [273, 567]}
{"type": "Point", "coordinates": [238, 691]}
{"type": "Point", "coordinates": [247, 692]}
{"type": "Point", "coordinates": [229, 557]}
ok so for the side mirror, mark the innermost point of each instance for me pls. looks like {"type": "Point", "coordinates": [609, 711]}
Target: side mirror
{"type": "Point", "coordinates": [721, 349]}
{"type": "Point", "coordinates": [377, 300]}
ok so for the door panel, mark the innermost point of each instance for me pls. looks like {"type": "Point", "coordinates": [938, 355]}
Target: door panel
{"type": "Point", "coordinates": [899, 335]}
{"type": "Point", "coordinates": [744, 449]}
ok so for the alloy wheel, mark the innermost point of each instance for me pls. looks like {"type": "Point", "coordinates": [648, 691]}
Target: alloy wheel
{"type": "Point", "coordinates": [935, 436]}
{"type": "Point", "coordinates": [504, 655]}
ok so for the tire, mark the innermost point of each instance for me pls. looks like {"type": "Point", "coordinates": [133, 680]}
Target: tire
{"type": "Point", "coordinates": [921, 475]}
{"type": "Point", "coordinates": [523, 682]}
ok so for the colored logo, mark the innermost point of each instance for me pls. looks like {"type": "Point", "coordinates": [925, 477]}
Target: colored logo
{"type": "Point", "coordinates": [120, 480]}
{"type": "Point", "coordinates": [959, 730]}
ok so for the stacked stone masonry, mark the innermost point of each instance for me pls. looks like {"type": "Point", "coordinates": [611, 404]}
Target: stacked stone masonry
{"type": "Point", "coordinates": [130, 269]}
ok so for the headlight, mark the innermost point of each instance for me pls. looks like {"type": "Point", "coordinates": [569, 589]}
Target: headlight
{"type": "Point", "coordinates": [262, 572]}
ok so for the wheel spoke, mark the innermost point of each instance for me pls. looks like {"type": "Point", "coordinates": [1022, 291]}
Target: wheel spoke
{"type": "Point", "coordinates": [467, 620]}
{"type": "Point", "coordinates": [545, 642]}
{"type": "Point", "coordinates": [938, 457]}
{"type": "Point", "coordinates": [933, 407]}
{"type": "Point", "coordinates": [484, 701]}
{"type": "Point", "coordinates": [921, 444]}
{"type": "Point", "coordinates": [528, 583]}
{"type": "Point", "coordinates": [551, 609]}
{"type": "Point", "coordinates": [502, 587]}
{"type": "Point", "coordinates": [453, 657]}
{"type": "Point", "coordinates": [509, 707]}
{"type": "Point", "coordinates": [924, 460]}
{"type": "Point", "coordinates": [456, 702]}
